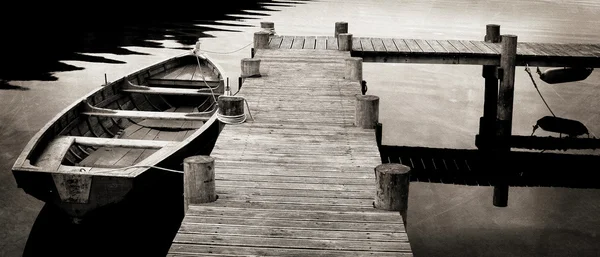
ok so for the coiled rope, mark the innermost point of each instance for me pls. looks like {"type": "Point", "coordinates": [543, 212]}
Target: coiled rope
{"type": "Point", "coordinates": [235, 119]}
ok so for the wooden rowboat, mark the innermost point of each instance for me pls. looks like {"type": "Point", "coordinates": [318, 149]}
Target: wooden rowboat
{"type": "Point", "coordinates": [126, 137]}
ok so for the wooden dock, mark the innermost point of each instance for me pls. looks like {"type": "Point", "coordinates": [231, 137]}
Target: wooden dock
{"type": "Point", "coordinates": [298, 180]}
{"type": "Point", "coordinates": [473, 52]}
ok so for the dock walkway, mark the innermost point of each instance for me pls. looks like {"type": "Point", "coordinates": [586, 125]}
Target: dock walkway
{"type": "Point", "coordinates": [298, 180]}
{"type": "Point", "coordinates": [473, 52]}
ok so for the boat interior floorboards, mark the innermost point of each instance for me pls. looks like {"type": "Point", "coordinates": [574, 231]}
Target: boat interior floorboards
{"type": "Point", "coordinates": [172, 130]}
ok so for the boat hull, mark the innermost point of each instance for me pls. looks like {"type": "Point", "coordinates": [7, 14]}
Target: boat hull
{"type": "Point", "coordinates": [79, 190]}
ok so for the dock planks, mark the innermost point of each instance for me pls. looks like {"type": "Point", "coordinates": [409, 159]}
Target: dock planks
{"type": "Point", "coordinates": [298, 180]}
{"type": "Point", "coordinates": [395, 50]}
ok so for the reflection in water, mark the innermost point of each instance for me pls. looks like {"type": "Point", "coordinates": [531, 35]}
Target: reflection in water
{"type": "Point", "coordinates": [33, 48]}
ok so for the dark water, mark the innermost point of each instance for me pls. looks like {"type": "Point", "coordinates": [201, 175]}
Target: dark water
{"type": "Point", "coordinates": [51, 60]}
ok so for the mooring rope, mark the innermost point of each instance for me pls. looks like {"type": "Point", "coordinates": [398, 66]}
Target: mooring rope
{"type": "Point", "coordinates": [227, 119]}
{"type": "Point", "coordinates": [133, 167]}
{"type": "Point", "coordinates": [234, 51]}
{"type": "Point", "coordinates": [538, 90]}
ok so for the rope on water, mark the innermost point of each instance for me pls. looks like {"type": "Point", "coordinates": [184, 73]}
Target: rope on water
{"type": "Point", "coordinates": [538, 90]}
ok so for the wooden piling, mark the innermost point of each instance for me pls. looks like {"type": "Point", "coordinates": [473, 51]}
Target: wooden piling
{"type": "Point", "coordinates": [344, 42]}
{"type": "Point", "coordinates": [340, 27]}
{"type": "Point", "coordinates": [392, 180]}
{"type": "Point", "coordinates": [250, 67]}
{"type": "Point", "coordinates": [261, 40]}
{"type": "Point", "coordinates": [507, 84]}
{"type": "Point", "coordinates": [367, 111]}
{"type": "Point", "coordinates": [487, 123]}
{"type": "Point", "coordinates": [268, 26]}
{"type": "Point", "coordinates": [230, 105]}
{"type": "Point", "coordinates": [198, 180]}
{"type": "Point", "coordinates": [505, 109]}
{"type": "Point", "coordinates": [354, 69]}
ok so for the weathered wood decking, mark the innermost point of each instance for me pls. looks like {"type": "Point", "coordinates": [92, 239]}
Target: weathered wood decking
{"type": "Point", "coordinates": [396, 50]}
{"type": "Point", "coordinates": [298, 180]}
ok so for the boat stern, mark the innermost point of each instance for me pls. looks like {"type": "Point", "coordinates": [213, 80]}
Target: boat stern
{"type": "Point", "coordinates": [76, 194]}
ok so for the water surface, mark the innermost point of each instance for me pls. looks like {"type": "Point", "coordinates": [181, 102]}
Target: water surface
{"type": "Point", "coordinates": [421, 105]}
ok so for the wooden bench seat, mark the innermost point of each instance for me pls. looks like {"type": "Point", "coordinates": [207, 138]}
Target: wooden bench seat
{"type": "Point", "coordinates": [151, 115]}
{"type": "Point", "coordinates": [184, 83]}
{"type": "Point", "coordinates": [95, 111]}
{"type": "Point", "coordinates": [131, 88]}
{"type": "Point", "coordinates": [51, 158]}
{"type": "Point", "coordinates": [126, 143]}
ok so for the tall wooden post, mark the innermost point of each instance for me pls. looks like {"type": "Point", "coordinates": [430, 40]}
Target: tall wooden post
{"type": "Point", "coordinates": [505, 110]}
{"type": "Point", "coordinates": [354, 69]}
{"type": "Point", "coordinates": [344, 42]}
{"type": "Point", "coordinates": [268, 26]}
{"type": "Point", "coordinates": [367, 111]}
{"type": "Point", "coordinates": [487, 123]}
{"type": "Point", "coordinates": [340, 27]}
{"type": "Point", "coordinates": [392, 181]}
{"type": "Point", "coordinates": [198, 180]}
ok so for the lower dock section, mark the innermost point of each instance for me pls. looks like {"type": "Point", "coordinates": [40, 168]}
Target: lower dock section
{"type": "Point", "coordinates": [278, 230]}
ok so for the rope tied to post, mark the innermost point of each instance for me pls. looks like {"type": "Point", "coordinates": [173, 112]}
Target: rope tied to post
{"type": "Point", "coordinates": [227, 119]}
{"type": "Point", "coordinates": [235, 119]}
